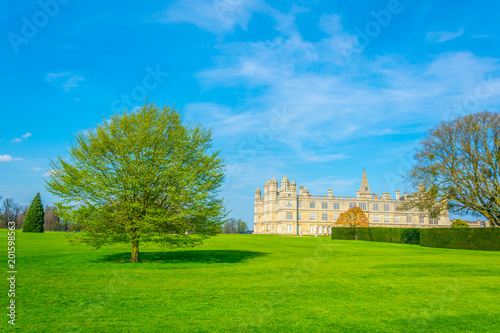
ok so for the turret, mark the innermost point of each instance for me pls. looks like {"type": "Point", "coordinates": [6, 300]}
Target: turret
{"type": "Point", "coordinates": [284, 184]}
{"type": "Point", "coordinates": [257, 193]}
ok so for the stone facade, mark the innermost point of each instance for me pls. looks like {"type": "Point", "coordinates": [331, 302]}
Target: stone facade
{"type": "Point", "coordinates": [284, 211]}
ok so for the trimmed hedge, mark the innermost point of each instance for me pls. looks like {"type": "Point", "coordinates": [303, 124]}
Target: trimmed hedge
{"type": "Point", "coordinates": [462, 238]}
{"type": "Point", "coordinates": [378, 234]}
{"type": "Point", "coordinates": [388, 235]}
{"type": "Point", "coordinates": [451, 238]}
{"type": "Point", "coordinates": [410, 236]}
{"type": "Point", "coordinates": [344, 233]}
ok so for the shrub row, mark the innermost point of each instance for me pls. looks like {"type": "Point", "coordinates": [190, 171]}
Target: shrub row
{"type": "Point", "coordinates": [344, 233]}
{"type": "Point", "coordinates": [462, 238]}
{"type": "Point", "coordinates": [452, 238]}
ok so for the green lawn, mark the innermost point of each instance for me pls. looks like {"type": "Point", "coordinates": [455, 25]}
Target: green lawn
{"type": "Point", "coordinates": [253, 283]}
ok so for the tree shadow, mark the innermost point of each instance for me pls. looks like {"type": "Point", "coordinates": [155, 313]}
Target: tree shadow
{"type": "Point", "coordinates": [189, 256]}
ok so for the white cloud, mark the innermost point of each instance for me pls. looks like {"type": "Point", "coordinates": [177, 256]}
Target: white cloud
{"type": "Point", "coordinates": [8, 158]}
{"type": "Point", "coordinates": [36, 169]}
{"type": "Point", "coordinates": [68, 81]}
{"type": "Point", "coordinates": [443, 36]}
{"type": "Point", "coordinates": [24, 136]}
{"type": "Point", "coordinates": [215, 16]}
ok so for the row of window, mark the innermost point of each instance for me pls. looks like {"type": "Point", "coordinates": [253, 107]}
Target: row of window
{"type": "Point", "coordinates": [336, 205]}
{"type": "Point", "coordinates": [376, 218]}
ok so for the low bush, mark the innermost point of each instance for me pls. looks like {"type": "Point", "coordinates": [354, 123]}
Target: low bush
{"type": "Point", "coordinates": [364, 233]}
{"type": "Point", "coordinates": [462, 238]}
{"type": "Point", "coordinates": [388, 235]}
{"type": "Point", "coordinates": [410, 235]}
{"type": "Point", "coordinates": [344, 233]}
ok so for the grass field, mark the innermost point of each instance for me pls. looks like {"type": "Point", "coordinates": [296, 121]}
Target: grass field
{"type": "Point", "coordinates": [253, 283]}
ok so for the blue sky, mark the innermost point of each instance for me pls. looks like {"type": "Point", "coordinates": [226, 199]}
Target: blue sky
{"type": "Point", "coordinates": [319, 89]}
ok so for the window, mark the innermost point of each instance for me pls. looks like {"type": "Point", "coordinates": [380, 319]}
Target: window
{"type": "Point", "coordinates": [421, 220]}
{"type": "Point", "coordinates": [362, 205]}
{"type": "Point", "coordinates": [299, 216]}
{"type": "Point", "coordinates": [352, 204]}
{"type": "Point", "coordinates": [312, 205]}
{"type": "Point", "coordinates": [335, 217]}
{"type": "Point", "coordinates": [396, 219]}
{"type": "Point", "coordinates": [300, 203]}
{"type": "Point", "coordinates": [324, 217]}
{"type": "Point", "coordinates": [312, 229]}
{"type": "Point", "coordinates": [289, 203]}
{"type": "Point", "coordinates": [289, 194]}
{"type": "Point", "coordinates": [312, 217]}
{"type": "Point", "coordinates": [336, 205]}
{"type": "Point", "coordinates": [324, 205]}
{"type": "Point", "coordinates": [375, 207]}
{"type": "Point", "coordinates": [300, 229]}
{"type": "Point", "coordinates": [289, 215]}
{"type": "Point", "coordinates": [387, 219]}
{"type": "Point", "coordinates": [408, 219]}
{"type": "Point", "coordinates": [433, 220]}
{"type": "Point", "coordinates": [386, 208]}
{"type": "Point", "coordinates": [376, 218]}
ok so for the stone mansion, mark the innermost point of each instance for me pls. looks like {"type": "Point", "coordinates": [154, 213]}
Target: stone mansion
{"type": "Point", "coordinates": [282, 211]}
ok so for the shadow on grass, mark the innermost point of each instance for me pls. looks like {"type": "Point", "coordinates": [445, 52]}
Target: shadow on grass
{"type": "Point", "coordinates": [189, 256]}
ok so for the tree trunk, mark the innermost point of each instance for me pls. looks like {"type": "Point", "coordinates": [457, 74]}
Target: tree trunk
{"type": "Point", "coordinates": [135, 251]}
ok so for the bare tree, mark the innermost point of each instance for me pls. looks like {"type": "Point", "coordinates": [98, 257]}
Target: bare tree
{"type": "Point", "coordinates": [51, 219]}
{"type": "Point", "coordinates": [458, 167]}
{"type": "Point", "coordinates": [234, 226]}
{"type": "Point", "coordinates": [8, 206]}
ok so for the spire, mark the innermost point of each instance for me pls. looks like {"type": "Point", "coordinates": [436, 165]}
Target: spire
{"type": "Point", "coordinates": [365, 188]}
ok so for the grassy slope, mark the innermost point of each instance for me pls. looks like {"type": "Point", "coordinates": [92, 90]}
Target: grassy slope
{"type": "Point", "coordinates": [254, 283]}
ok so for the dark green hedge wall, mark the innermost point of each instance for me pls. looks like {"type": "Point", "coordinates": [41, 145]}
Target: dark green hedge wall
{"type": "Point", "coordinates": [462, 238]}
{"type": "Point", "coordinates": [343, 233]}
{"type": "Point", "coordinates": [452, 238]}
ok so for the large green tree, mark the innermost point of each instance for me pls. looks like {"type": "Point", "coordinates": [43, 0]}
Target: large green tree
{"type": "Point", "coordinates": [458, 167]}
{"type": "Point", "coordinates": [141, 176]}
{"type": "Point", "coordinates": [33, 222]}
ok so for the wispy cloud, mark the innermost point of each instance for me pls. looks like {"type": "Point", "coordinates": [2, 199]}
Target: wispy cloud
{"type": "Point", "coordinates": [66, 80]}
{"type": "Point", "coordinates": [36, 169]}
{"type": "Point", "coordinates": [24, 136]}
{"type": "Point", "coordinates": [443, 36]}
{"type": "Point", "coordinates": [8, 158]}
{"type": "Point", "coordinates": [216, 16]}
{"type": "Point", "coordinates": [481, 36]}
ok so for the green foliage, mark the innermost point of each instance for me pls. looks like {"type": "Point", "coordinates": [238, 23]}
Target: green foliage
{"type": "Point", "coordinates": [141, 176]}
{"type": "Point", "coordinates": [344, 233]}
{"type": "Point", "coordinates": [34, 219]}
{"type": "Point", "coordinates": [460, 224]}
{"type": "Point", "coordinates": [410, 235]}
{"type": "Point", "coordinates": [381, 234]}
{"type": "Point", "coordinates": [364, 233]}
{"type": "Point", "coordinates": [389, 235]}
{"type": "Point", "coordinates": [462, 238]}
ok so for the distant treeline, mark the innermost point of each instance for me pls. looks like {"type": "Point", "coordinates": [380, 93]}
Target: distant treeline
{"type": "Point", "coordinates": [12, 211]}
